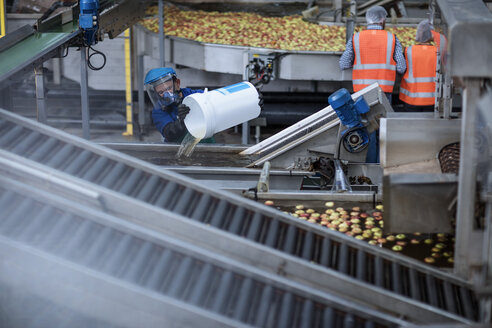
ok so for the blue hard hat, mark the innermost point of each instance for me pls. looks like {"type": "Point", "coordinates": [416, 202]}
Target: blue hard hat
{"type": "Point", "coordinates": [156, 74]}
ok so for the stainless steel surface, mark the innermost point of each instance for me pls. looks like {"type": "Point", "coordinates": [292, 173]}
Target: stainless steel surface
{"type": "Point", "coordinates": [40, 94]}
{"type": "Point", "coordinates": [231, 215]}
{"type": "Point", "coordinates": [316, 65]}
{"type": "Point", "coordinates": [469, 23]}
{"type": "Point", "coordinates": [483, 146]}
{"type": "Point", "coordinates": [320, 195]}
{"type": "Point", "coordinates": [466, 181]}
{"type": "Point", "coordinates": [435, 195]}
{"type": "Point", "coordinates": [241, 179]}
{"type": "Point", "coordinates": [407, 139]}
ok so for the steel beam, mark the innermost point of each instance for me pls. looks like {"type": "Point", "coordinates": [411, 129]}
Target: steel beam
{"type": "Point", "coordinates": [40, 95]}
{"type": "Point", "coordinates": [467, 180]}
{"type": "Point", "coordinates": [84, 93]}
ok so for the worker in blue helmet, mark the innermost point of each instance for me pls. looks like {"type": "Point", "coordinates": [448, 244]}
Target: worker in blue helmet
{"type": "Point", "coordinates": [163, 88]}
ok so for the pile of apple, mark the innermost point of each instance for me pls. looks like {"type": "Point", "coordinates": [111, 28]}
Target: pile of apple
{"type": "Point", "coordinates": [253, 30]}
{"type": "Point", "coordinates": [367, 226]}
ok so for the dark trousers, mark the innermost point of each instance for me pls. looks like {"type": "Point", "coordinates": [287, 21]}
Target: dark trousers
{"type": "Point", "coordinates": [373, 147]}
{"type": "Point", "coordinates": [418, 109]}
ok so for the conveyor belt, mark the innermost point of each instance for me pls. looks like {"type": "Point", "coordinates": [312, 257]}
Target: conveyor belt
{"type": "Point", "coordinates": [41, 229]}
{"type": "Point", "coordinates": [365, 264]}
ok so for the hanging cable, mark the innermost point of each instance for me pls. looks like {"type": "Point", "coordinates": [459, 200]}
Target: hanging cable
{"type": "Point", "coordinates": [89, 56]}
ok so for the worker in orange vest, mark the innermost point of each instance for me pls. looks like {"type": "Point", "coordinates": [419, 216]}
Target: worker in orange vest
{"type": "Point", "coordinates": [439, 40]}
{"type": "Point", "coordinates": [418, 86]}
{"type": "Point", "coordinates": [375, 56]}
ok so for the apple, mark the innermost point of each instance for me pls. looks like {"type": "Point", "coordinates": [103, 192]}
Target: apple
{"type": "Point", "coordinates": [269, 202]}
{"type": "Point", "coordinates": [429, 260]}
{"type": "Point", "coordinates": [397, 248]}
{"type": "Point", "coordinates": [356, 230]}
{"type": "Point", "coordinates": [329, 204]}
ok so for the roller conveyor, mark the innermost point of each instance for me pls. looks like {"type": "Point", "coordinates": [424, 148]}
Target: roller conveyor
{"type": "Point", "coordinates": [371, 266]}
{"type": "Point", "coordinates": [81, 268]}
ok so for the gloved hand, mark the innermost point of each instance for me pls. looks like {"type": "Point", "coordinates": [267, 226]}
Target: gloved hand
{"type": "Point", "coordinates": [260, 97]}
{"type": "Point", "coordinates": [183, 110]}
{"type": "Point", "coordinates": [174, 131]}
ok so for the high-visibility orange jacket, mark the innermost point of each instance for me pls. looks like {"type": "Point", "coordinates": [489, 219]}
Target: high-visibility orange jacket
{"type": "Point", "coordinates": [374, 62]}
{"type": "Point", "coordinates": [440, 41]}
{"type": "Point", "coordinates": [418, 85]}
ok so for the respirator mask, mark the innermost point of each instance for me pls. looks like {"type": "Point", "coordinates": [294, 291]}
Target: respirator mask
{"type": "Point", "coordinates": [163, 93]}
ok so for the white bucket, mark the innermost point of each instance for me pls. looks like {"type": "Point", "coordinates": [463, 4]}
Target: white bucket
{"type": "Point", "coordinates": [220, 109]}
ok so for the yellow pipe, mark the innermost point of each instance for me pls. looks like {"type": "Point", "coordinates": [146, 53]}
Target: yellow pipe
{"type": "Point", "coordinates": [128, 80]}
{"type": "Point", "coordinates": [2, 19]}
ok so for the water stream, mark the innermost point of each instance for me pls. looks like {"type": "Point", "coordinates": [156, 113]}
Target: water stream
{"type": "Point", "coordinates": [187, 145]}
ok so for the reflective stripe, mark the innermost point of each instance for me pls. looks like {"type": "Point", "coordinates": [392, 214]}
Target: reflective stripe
{"type": "Point", "coordinates": [417, 94]}
{"type": "Point", "coordinates": [375, 66]}
{"type": "Point", "coordinates": [370, 81]}
{"type": "Point", "coordinates": [410, 65]}
{"type": "Point", "coordinates": [357, 49]}
{"type": "Point", "coordinates": [420, 79]}
{"type": "Point", "coordinates": [389, 48]}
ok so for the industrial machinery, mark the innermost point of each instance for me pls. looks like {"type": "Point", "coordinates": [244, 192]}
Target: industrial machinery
{"type": "Point", "coordinates": [147, 205]}
{"type": "Point", "coordinates": [152, 247]}
{"type": "Point", "coordinates": [298, 146]}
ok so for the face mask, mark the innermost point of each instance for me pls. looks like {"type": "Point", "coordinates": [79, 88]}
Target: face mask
{"type": "Point", "coordinates": [168, 99]}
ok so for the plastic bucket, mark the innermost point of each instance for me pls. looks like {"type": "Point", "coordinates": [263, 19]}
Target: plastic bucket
{"type": "Point", "coordinates": [220, 109]}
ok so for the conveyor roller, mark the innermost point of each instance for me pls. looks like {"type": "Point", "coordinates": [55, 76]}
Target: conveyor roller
{"type": "Point", "coordinates": [126, 255]}
{"type": "Point", "coordinates": [365, 264]}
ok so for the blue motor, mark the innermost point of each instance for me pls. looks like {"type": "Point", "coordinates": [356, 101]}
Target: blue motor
{"type": "Point", "coordinates": [89, 20]}
{"type": "Point", "coordinates": [355, 138]}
